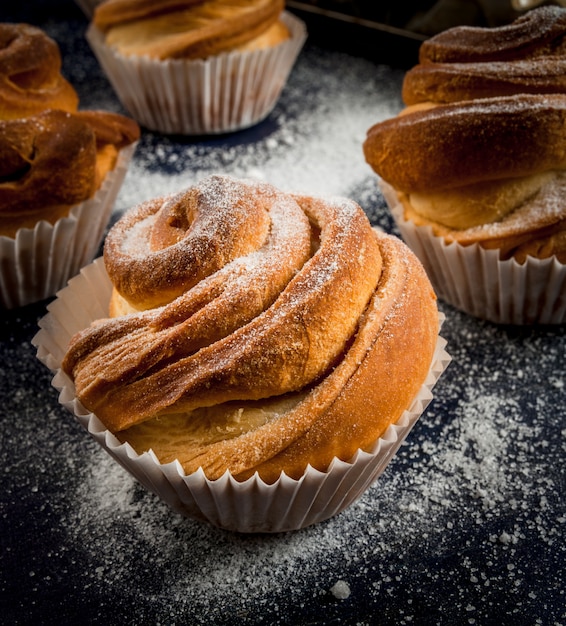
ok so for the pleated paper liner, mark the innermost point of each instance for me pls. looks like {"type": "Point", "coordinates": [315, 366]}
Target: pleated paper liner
{"type": "Point", "coordinates": [250, 506]}
{"type": "Point", "coordinates": [476, 281]}
{"type": "Point", "coordinates": [223, 93]}
{"type": "Point", "coordinates": [39, 261]}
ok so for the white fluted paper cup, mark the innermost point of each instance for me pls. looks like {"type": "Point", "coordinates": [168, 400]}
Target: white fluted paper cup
{"type": "Point", "coordinates": [475, 280]}
{"type": "Point", "coordinates": [223, 93]}
{"type": "Point", "coordinates": [37, 262]}
{"type": "Point", "coordinates": [250, 506]}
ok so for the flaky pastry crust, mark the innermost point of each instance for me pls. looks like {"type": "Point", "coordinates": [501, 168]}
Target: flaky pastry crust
{"type": "Point", "coordinates": [303, 339]}
{"type": "Point", "coordinates": [466, 63]}
{"type": "Point", "coordinates": [538, 33]}
{"type": "Point", "coordinates": [487, 171]}
{"type": "Point", "coordinates": [189, 29]}
{"type": "Point", "coordinates": [30, 73]}
{"type": "Point", "coordinates": [469, 142]}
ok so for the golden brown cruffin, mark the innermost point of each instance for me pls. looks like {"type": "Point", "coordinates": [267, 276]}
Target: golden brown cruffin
{"type": "Point", "coordinates": [54, 160]}
{"type": "Point", "coordinates": [30, 73]}
{"type": "Point", "coordinates": [189, 29]}
{"type": "Point", "coordinates": [489, 171]}
{"type": "Point", "coordinates": [289, 331]}
{"type": "Point", "coordinates": [467, 62]}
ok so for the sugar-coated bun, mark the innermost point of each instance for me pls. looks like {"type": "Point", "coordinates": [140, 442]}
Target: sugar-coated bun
{"type": "Point", "coordinates": [265, 331]}
{"type": "Point", "coordinates": [490, 171]}
{"type": "Point", "coordinates": [479, 153]}
{"type": "Point", "coordinates": [463, 143]}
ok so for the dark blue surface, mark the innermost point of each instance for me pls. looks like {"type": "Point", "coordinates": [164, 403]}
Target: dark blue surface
{"type": "Point", "coordinates": [466, 526]}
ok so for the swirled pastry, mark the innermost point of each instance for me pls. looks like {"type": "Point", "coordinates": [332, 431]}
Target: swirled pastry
{"type": "Point", "coordinates": [478, 154]}
{"type": "Point", "coordinates": [266, 331]}
{"type": "Point", "coordinates": [30, 73]}
{"type": "Point", "coordinates": [465, 63]}
{"type": "Point", "coordinates": [189, 29]}
{"type": "Point", "coordinates": [54, 160]}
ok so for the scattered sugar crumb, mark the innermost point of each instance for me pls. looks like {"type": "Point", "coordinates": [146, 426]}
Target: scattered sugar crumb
{"type": "Point", "coordinates": [340, 590]}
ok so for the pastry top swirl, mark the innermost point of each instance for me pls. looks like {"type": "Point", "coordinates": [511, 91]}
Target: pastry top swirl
{"type": "Point", "coordinates": [292, 301]}
{"type": "Point", "coordinates": [168, 245]}
{"type": "Point", "coordinates": [188, 29]}
{"type": "Point", "coordinates": [463, 63]}
{"type": "Point", "coordinates": [30, 73]}
{"type": "Point", "coordinates": [540, 32]}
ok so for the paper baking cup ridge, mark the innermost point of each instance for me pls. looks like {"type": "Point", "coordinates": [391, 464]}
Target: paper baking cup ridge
{"type": "Point", "coordinates": [39, 261]}
{"type": "Point", "coordinates": [475, 280]}
{"type": "Point", "coordinates": [223, 93]}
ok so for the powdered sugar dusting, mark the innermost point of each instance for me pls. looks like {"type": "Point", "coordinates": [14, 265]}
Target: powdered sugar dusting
{"type": "Point", "coordinates": [466, 461]}
{"type": "Point", "coordinates": [136, 242]}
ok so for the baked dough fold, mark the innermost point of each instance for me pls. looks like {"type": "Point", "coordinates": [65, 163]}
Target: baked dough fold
{"type": "Point", "coordinates": [54, 160]}
{"type": "Point", "coordinates": [189, 29]}
{"type": "Point", "coordinates": [466, 62]}
{"type": "Point", "coordinates": [488, 171]}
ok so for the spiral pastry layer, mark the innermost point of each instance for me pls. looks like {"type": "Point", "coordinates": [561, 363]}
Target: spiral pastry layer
{"type": "Point", "coordinates": [283, 321]}
{"type": "Point", "coordinates": [30, 73]}
{"type": "Point", "coordinates": [463, 143]}
{"type": "Point", "coordinates": [465, 63]}
{"type": "Point", "coordinates": [54, 160]}
{"type": "Point", "coordinates": [189, 29]}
